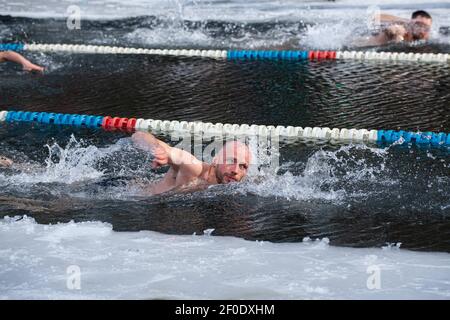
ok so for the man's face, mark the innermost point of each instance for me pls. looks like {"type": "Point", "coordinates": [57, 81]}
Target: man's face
{"type": "Point", "coordinates": [232, 162]}
{"type": "Point", "coordinates": [420, 28]}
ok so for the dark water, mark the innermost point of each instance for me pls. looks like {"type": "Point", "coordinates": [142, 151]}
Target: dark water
{"type": "Point", "coordinates": [358, 196]}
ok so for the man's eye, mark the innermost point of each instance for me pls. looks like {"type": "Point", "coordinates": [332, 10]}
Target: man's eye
{"type": "Point", "coordinates": [229, 161]}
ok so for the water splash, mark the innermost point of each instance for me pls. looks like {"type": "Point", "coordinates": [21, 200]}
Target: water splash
{"type": "Point", "coordinates": [47, 61]}
{"type": "Point", "coordinates": [334, 176]}
{"type": "Point", "coordinates": [73, 163]}
{"type": "Point", "coordinates": [82, 170]}
{"type": "Point", "coordinates": [76, 162]}
{"type": "Point", "coordinates": [171, 35]}
{"type": "Point", "coordinates": [333, 36]}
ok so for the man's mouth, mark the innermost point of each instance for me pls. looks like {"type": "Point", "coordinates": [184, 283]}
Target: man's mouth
{"type": "Point", "coordinates": [230, 179]}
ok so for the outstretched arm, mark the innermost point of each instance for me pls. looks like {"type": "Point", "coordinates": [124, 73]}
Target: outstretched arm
{"type": "Point", "coordinates": [166, 155]}
{"type": "Point", "coordinates": [17, 58]}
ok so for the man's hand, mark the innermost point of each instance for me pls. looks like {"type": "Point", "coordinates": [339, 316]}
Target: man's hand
{"type": "Point", "coordinates": [28, 66]}
{"type": "Point", "coordinates": [396, 32]}
{"type": "Point", "coordinates": [162, 157]}
{"type": "Point", "coordinates": [160, 150]}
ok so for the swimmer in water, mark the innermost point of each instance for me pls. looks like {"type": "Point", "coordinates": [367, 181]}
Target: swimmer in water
{"type": "Point", "coordinates": [186, 171]}
{"type": "Point", "coordinates": [395, 29]}
{"type": "Point", "coordinates": [17, 58]}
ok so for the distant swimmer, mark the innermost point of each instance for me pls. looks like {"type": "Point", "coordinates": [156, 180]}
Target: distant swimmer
{"type": "Point", "coordinates": [17, 58]}
{"type": "Point", "coordinates": [395, 29]}
{"type": "Point", "coordinates": [187, 172]}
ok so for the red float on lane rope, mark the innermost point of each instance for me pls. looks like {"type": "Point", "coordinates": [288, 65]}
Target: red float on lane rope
{"type": "Point", "coordinates": [105, 122]}
{"type": "Point", "coordinates": [131, 124]}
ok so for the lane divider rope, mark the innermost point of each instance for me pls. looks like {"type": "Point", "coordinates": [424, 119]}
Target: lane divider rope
{"type": "Point", "coordinates": [220, 129]}
{"type": "Point", "coordinates": [233, 54]}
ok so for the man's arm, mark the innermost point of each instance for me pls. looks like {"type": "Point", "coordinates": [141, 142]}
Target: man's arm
{"type": "Point", "coordinates": [395, 33]}
{"type": "Point", "coordinates": [17, 58]}
{"type": "Point", "coordinates": [164, 154]}
{"type": "Point", "coordinates": [385, 18]}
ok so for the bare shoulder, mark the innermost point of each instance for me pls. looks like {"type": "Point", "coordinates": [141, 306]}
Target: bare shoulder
{"type": "Point", "coordinates": [193, 172]}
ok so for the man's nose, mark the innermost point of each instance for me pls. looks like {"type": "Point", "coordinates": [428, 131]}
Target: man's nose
{"type": "Point", "coordinates": [235, 169]}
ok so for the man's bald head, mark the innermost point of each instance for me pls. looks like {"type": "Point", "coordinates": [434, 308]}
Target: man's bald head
{"type": "Point", "coordinates": [232, 162]}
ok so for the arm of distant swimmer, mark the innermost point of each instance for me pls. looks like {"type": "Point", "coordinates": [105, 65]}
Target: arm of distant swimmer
{"type": "Point", "coordinates": [17, 58]}
{"type": "Point", "coordinates": [390, 18]}
{"type": "Point", "coordinates": [167, 155]}
{"type": "Point", "coordinates": [395, 32]}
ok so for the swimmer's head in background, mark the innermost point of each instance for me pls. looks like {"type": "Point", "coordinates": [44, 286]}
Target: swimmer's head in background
{"type": "Point", "coordinates": [420, 25]}
{"type": "Point", "coordinates": [232, 162]}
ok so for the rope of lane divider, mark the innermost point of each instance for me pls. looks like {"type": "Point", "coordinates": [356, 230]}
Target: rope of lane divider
{"type": "Point", "coordinates": [218, 129]}
{"type": "Point", "coordinates": [233, 54]}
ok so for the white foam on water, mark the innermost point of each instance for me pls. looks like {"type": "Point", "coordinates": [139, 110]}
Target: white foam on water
{"type": "Point", "coordinates": [69, 164]}
{"type": "Point", "coordinates": [74, 162]}
{"type": "Point", "coordinates": [36, 262]}
{"type": "Point", "coordinates": [323, 175]}
{"type": "Point", "coordinates": [169, 35]}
